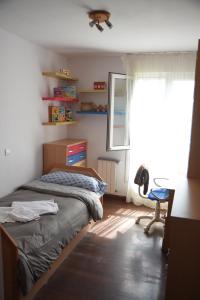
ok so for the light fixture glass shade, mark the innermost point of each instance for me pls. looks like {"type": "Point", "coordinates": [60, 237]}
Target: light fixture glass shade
{"type": "Point", "coordinates": [99, 27]}
{"type": "Point", "coordinates": [92, 23]}
{"type": "Point", "coordinates": [109, 24]}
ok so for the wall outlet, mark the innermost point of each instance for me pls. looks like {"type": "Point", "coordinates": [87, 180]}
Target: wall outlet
{"type": "Point", "coordinates": [7, 152]}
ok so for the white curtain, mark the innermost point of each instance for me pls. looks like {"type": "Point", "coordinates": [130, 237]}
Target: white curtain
{"type": "Point", "coordinates": [161, 110]}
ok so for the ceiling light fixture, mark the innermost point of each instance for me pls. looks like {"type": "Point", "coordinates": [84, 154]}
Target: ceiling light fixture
{"type": "Point", "coordinates": [99, 16]}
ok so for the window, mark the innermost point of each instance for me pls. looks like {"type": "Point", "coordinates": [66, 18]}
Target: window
{"type": "Point", "coordinates": [161, 123]}
{"type": "Point", "coordinates": [118, 113]}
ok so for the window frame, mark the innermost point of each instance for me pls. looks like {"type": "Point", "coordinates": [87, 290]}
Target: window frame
{"type": "Point", "coordinates": [110, 113]}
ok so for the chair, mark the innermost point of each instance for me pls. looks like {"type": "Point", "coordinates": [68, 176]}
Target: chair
{"type": "Point", "coordinates": [159, 195]}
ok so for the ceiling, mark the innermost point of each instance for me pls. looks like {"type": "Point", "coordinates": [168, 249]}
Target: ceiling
{"type": "Point", "coordinates": [139, 25]}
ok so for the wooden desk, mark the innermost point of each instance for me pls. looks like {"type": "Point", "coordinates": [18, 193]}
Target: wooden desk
{"type": "Point", "coordinates": [166, 238]}
{"type": "Point", "coordinates": [183, 278]}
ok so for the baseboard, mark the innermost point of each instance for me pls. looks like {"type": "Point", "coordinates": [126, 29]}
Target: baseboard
{"type": "Point", "coordinates": [115, 197]}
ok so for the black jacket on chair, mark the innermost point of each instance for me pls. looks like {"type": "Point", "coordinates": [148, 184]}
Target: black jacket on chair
{"type": "Point", "coordinates": [142, 178]}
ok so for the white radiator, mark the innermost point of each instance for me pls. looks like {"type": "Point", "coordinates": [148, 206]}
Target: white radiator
{"type": "Point", "coordinates": [107, 169]}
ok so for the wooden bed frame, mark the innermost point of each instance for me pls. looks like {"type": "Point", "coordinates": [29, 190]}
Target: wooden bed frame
{"type": "Point", "coordinates": [10, 253]}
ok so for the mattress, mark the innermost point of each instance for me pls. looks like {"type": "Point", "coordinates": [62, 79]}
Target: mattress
{"type": "Point", "coordinates": [41, 241]}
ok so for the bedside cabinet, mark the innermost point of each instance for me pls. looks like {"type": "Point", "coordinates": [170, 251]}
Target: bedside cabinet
{"type": "Point", "coordinates": [64, 152]}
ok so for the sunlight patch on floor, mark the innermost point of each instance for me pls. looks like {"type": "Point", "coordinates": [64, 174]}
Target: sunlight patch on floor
{"type": "Point", "coordinates": [120, 221]}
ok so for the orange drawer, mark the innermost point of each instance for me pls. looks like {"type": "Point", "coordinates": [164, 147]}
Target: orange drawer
{"type": "Point", "coordinates": [71, 150]}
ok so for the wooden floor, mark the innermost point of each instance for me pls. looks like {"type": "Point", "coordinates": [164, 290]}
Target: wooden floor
{"type": "Point", "coordinates": [114, 261]}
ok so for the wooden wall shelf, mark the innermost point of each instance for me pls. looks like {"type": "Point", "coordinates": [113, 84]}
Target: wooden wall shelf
{"type": "Point", "coordinates": [64, 99]}
{"type": "Point", "coordinates": [118, 113]}
{"type": "Point", "coordinates": [59, 123]}
{"type": "Point", "coordinates": [92, 112]}
{"type": "Point", "coordinates": [59, 75]}
{"type": "Point", "coordinates": [92, 91]}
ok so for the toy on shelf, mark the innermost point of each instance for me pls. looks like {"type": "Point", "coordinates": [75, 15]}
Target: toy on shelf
{"type": "Point", "coordinates": [68, 115]}
{"type": "Point", "coordinates": [99, 85]}
{"type": "Point", "coordinates": [87, 106]}
{"type": "Point", "coordinates": [67, 72]}
{"type": "Point", "coordinates": [90, 106]}
{"type": "Point", "coordinates": [102, 108]}
{"type": "Point", "coordinates": [65, 91]}
{"type": "Point", "coordinates": [59, 114]}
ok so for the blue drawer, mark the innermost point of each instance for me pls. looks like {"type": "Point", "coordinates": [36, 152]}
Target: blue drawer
{"type": "Point", "coordinates": [72, 159]}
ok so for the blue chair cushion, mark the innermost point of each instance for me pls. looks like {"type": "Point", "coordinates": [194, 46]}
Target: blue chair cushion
{"type": "Point", "coordinates": [161, 193]}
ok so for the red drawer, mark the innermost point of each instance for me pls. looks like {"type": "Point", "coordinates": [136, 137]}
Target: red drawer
{"type": "Point", "coordinates": [71, 150]}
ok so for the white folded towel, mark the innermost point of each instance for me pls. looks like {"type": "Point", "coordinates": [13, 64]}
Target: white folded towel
{"type": "Point", "coordinates": [23, 214]}
{"type": "Point", "coordinates": [40, 207]}
{"type": "Point", "coordinates": [27, 210]}
{"type": "Point", "coordinates": [4, 214]}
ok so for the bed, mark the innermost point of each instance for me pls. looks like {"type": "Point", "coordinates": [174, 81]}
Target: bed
{"type": "Point", "coordinates": [32, 251]}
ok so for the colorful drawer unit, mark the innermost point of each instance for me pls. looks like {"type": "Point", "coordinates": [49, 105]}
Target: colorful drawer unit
{"type": "Point", "coordinates": [64, 152]}
{"type": "Point", "coordinates": [74, 149]}
{"type": "Point", "coordinates": [76, 158]}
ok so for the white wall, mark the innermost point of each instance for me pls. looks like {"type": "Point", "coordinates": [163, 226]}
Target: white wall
{"type": "Point", "coordinates": [94, 127]}
{"type": "Point", "coordinates": [22, 110]}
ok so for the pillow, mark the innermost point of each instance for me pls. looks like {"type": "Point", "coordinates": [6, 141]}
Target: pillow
{"type": "Point", "coordinates": [75, 179]}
